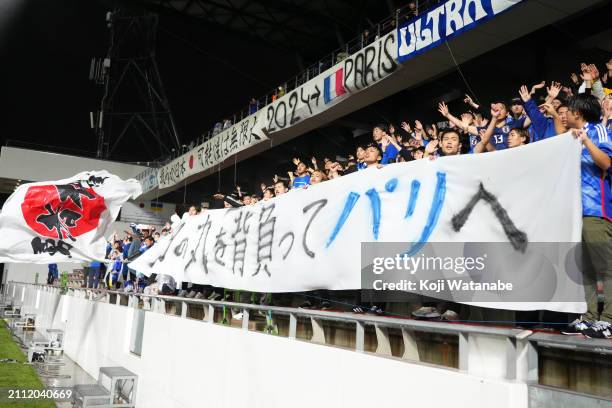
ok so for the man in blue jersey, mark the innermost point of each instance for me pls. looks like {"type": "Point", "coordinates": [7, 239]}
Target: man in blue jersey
{"type": "Point", "coordinates": [542, 127]}
{"type": "Point", "coordinates": [503, 125]}
{"type": "Point", "coordinates": [387, 144]}
{"type": "Point", "coordinates": [584, 117]}
{"type": "Point", "coordinates": [516, 137]}
{"type": "Point", "coordinates": [141, 279]}
{"type": "Point", "coordinates": [359, 155]}
{"type": "Point", "coordinates": [302, 178]}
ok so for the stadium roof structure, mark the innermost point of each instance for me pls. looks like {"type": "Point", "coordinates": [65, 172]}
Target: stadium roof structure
{"type": "Point", "coordinates": [291, 25]}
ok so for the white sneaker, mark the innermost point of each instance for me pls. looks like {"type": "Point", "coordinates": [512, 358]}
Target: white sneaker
{"type": "Point", "coordinates": [426, 312]}
{"type": "Point", "coordinates": [450, 316]}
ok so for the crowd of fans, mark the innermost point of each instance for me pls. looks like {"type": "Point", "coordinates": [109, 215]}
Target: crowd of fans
{"type": "Point", "coordinates": [583, 106]}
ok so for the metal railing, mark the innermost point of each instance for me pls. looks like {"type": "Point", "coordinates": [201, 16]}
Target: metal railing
{"type": "Point", "coordinates": [381, 325]}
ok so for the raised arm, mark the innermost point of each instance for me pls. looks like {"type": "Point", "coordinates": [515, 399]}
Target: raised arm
{"type": "Point", "coordinates": [468, 99]}
{"type": "Point", "coordinates": [406, 128]}
{"type": "Point", "coordinates": [313, 160]}
{"type": "Point", "coordinates": [419, 132]}
{"type": "Point", "coordinates": [443, 109]}
{"type": "Point", "coordinates": [552, 92]}
{"type": "Point", "coordinates": [431, 148]}
{"type": "Point", "coordinates": [485, 135]}
{"type": "Point", "coordinates": [597, 90]}
{"type": "Point", "coordinates": [538, 120]}
{"type": "Point", "coordinates": [559, 128]}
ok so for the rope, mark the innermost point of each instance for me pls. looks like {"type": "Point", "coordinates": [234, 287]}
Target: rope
{"type": "Point", "coordinates": [465, 81]}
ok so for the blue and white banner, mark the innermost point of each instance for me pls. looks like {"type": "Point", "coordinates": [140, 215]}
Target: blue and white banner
{"type": "Point", "coordinates": [148, 179]}
{"type": "Point", "coordinates": [444, 22]}
{"type": "Point", "coordinates": [311, 238]}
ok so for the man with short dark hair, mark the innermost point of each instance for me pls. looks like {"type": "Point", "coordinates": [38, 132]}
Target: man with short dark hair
{"type": "Point", "coordinates": [583, 116]}
{"type": "Point", "coordinates": [193, 210]}
{"type": "Point", "coordinates": [372, 156]}
{"type": "Point", "coordinates": [301, 178]}
{"type": "Point", "coordinates": [359, 155]}
{"type": "Point", "coordinates": [268, 194]}
{"type": "Point", "coordinates": [280, 188]}
{"type": "Point", "coordinates": [516, 137]}
{"type": "Point", "coordinates": [450, 143]}
{"type": "Point", "coordinates": [516, 108]}
{"type": "Point", "coordinates": [387, 144]}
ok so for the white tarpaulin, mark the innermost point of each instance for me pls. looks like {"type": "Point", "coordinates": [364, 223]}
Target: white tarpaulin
{"type": "Point", "coordinates": [63, 220]}
{"type": "Point", "coordinates": [311, 239]}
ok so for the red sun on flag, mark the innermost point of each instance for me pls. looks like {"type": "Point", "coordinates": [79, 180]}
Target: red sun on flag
{"type": "Point", "coordinates": [62, 211]}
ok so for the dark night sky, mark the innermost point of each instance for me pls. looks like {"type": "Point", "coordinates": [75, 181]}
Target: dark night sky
{"type": "Point", "coordinates": [46, 48]}
{"type": "Point", "coordinates": [209, 72]}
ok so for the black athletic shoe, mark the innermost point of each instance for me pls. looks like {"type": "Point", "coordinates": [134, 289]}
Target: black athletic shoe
{"type": "Point", "coordinates": [358, 309]}
{"type": "Point", "coordinates": [599, 330]}
{"type": "Point", "coordinates": [375, 310]}
{"type": "Point", "coordinates": [577, 327]}
{"type": "Point", "coordinates": [306, 305]}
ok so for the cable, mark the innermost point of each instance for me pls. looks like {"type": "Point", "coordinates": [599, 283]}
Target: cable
{"type": "Point", "coordinates": [235, 168]}
{"type": "Point", "coordinates": [465, 81]}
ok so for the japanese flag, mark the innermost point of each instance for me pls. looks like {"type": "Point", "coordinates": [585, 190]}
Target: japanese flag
{"type": "Point", "coordinates": [64, 220]}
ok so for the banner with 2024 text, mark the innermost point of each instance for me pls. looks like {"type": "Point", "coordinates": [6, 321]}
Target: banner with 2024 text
{"type": "Point", "coordinates": [312, 238]}
{"type": "Point", "coordinates": [353, 74]}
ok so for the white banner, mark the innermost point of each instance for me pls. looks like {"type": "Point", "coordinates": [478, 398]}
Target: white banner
{"type": "Point", "coordinates": [311, 239]}
{"type": "Point", "coordinates": [64, 220]}
{"type": "Point", "coordinates": [353, 74]}
{"type": "Point", "coordinates": [445, 21]}
{"type": "Point", "coordinates": [148, 179]}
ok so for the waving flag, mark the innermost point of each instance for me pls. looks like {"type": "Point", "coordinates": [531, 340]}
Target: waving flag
{"type": "Point", "coordinates": [333, 86]}
{"type": "Point", "coordinates": [64, 220]}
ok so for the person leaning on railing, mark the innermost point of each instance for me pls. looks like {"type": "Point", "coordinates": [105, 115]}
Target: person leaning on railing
{"type": "Point", "coordinates": [584, 117]}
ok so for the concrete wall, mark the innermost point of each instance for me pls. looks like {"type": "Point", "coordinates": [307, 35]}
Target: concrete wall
{"type": "Point", "coordinates": [187, 363]}
{"type": "Point", "coordinates": [22, 272]}
{"type": "Point", "coordinates": [34, 165]}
